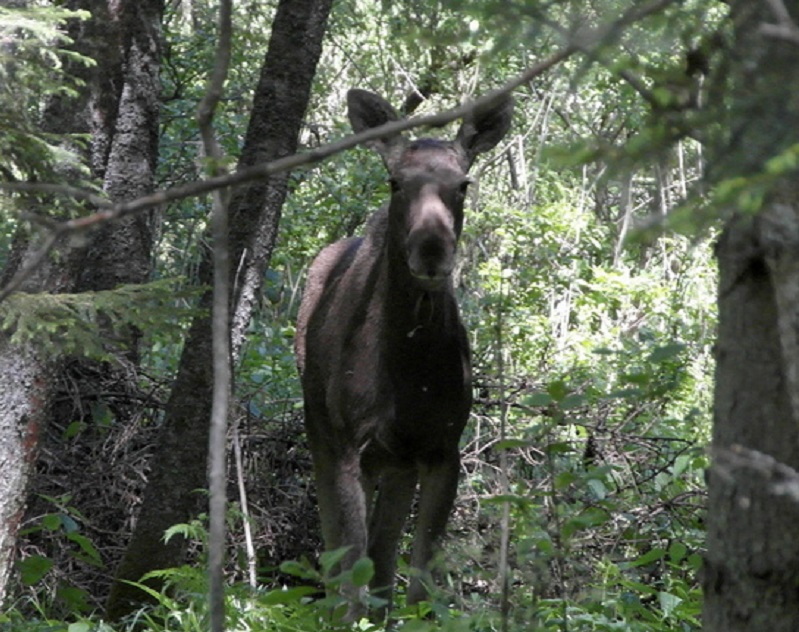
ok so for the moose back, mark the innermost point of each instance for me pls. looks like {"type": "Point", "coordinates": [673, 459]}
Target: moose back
{"type": "Point", "coordinates": [384, 358]}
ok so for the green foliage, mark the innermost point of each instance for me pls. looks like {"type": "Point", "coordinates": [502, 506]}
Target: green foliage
{"type": "Point", "coordinates": [55, 591]}
{"type": "Point", "coordinates": [91, 324]}
{"type": "Point", "coordinates": [190, 34]}
{"type": "Point", "coordinates": [34, 66]}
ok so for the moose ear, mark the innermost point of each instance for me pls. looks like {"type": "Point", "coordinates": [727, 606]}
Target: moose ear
{"type": "Point", "coordinates": [485, 127]}
{"type": "Point", "coordinates": [367, 110]}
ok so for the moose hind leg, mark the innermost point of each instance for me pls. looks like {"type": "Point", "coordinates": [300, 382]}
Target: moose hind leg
{"type": "Point", "coordinates": [394, 497]}
{"type": "Point", "coordinates": [438, 486]}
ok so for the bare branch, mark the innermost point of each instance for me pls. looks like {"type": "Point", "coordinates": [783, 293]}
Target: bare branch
{"type": "Point", "coordinates": [220, 325]}
{"type": "Point", "coordinates": [256, 172]}
{"type": "Point", "coordinates": [785, 29]}
{"type": "Point", "coordinates": [113, 211]}
{"type": "Point", "coordinates": [789, 33]}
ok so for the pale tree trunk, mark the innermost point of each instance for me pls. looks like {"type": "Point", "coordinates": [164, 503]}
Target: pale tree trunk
{"type": "Point", "coordinates": [179, 464]}
{"type": "Point", "coordinates": [28, 374]}
{"type": "Point", "coordinates": [751, 572]}
{"type": "Point", "coordinates": [119, 108]}
{"type": "Point", "coordinates": [24, 408]}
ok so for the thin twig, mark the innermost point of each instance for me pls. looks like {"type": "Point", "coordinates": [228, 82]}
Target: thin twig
{"type": "Point", "coordinates": [250, 546]}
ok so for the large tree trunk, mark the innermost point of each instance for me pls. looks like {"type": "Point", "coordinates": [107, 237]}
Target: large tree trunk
{"type": "Point", "coordinates": [119, 108]}
{"type": "Point", "coordinates": [752, 564]}
{"type": "Point", "coordinates": [179, 465]}
{"type": "Point", "coordinates": [125, 141]}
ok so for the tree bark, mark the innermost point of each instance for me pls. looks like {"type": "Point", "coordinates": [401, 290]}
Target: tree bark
{"type": "Point", "coordinates": [27, 374]}
{"type": "Point", "coordinates": [119, 108]}
{"type": "Point", "coordinates": [24, 408]}
{"type": "Point", "coordinates": [752, 563]}
{"type": "Point", "coordinates": [125, 143]}
{"type": "Point", "coordinates": [179, 465]}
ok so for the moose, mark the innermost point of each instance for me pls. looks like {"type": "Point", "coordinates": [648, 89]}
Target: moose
{"type": "Point", "coordinates": [384, 358]}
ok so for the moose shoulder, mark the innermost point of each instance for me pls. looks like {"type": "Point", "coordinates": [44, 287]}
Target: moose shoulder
{"type": "Point", "coordinates": [383, 355]}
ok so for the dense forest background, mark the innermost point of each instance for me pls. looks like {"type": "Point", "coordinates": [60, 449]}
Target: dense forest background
{"type": "Point", "coordinates": [587, 282]}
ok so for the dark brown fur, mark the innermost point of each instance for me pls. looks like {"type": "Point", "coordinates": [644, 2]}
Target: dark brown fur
{"type": "Point", "coordinates": [384, 358]}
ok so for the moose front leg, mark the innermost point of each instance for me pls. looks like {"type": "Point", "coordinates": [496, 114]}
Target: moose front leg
{"type": "Point", "coordinates": [438, 485]}
{"type": "Point", "coordinates": [394, 497]}
{"type": "Point", "coordinates": [342, 511]}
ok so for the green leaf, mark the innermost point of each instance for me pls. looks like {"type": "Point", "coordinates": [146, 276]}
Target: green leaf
{"type": "Point", "coordinates": [329, 559]}
{"type": "Point", "coordinates": [572, 400]}
{"type": "Point", "coordinates": [510, 444]}
{"type": "Point", "coordinates": [559, 447]}
{"type": "Point", "coordinates": [70, 526]}
{"type": "Point", "coordinates": [647, 558]}
{"type": "Point", "coordinates": [637, 378]}
{"type": "Point", "coordinates": [33, 568]}
{"type": "Point", "coordinates": [598, 488]}
{"type": "Point", "coordinates": [536, 400]}
{"type": "Point", "coordinates": [557, 390]}
{"type": "Point", "coordinates": [783, 163]}
{"type": "Point", "coordinates": [604, 351]}
{"type": "Point", "coordinates": [362, 571]}
{"type": "Point", "coordinates": [564, 479]}
{"type": "Point", "coordinates": [299, 569]}
{"type": "Point", "coordinates": [695, 561]}
{"type": "Point", "coordinates": [638, 587]}
{"type": "Point", "coordinates": [666, 352]}
{"type": "Point", "coordinates": [591, 517]}
{"type": "Point", "coordinates": [681, 463]}
{"type": "Point", "coordinates": [158, 597]}
{"type": "Point", "coordinates": [668, 602]}
{"type": "Point", "coordinates": [677, 552]}
{"type": "Point", "coordinates": [74, 429]}
{"type": "Point", "coordinates": [52, 522]}
{"type": "Point", "coordinates": [76, 599]}
{"type": "Point", "coordinates": [90, 553]}
{"type": "Point", "coordinates": [625, 393]}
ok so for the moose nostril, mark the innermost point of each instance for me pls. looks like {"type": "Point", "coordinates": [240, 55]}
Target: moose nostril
{"type": "Point", "coordinates": [431, 249]}
{"type": "Point", "coordinates": [429, 257]}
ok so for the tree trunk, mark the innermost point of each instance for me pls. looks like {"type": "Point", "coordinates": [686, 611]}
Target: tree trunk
{"type": "Point", "coordinates": [24, 408]}
{"type": "Point", "coordinates": [120, 110]}
{"type": "Point", "coordinates": [125, 147]}
{"type": "Point", "coordinates": [752, 564]}
{"type": "Point", "coordinates": [179, 465]}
